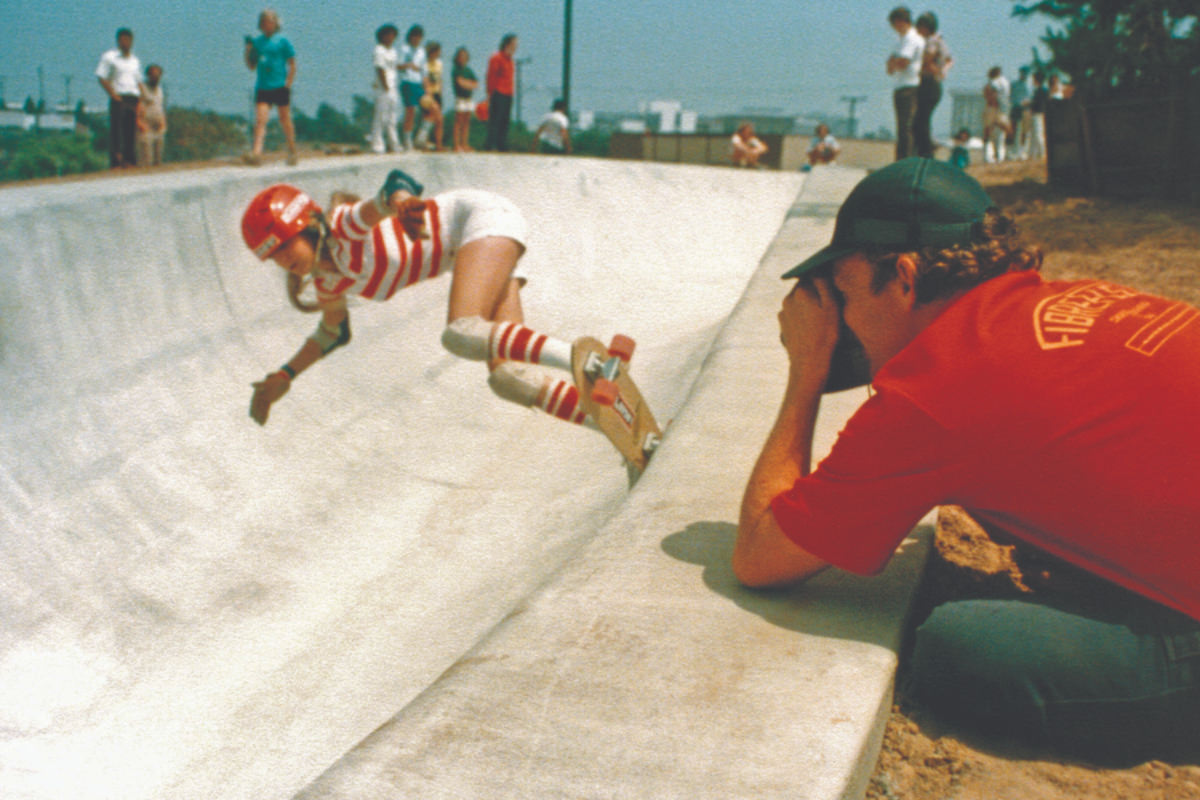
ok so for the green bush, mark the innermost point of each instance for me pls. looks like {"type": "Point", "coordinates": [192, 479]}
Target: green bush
{"type": "Point", "coordinates": [43, 155]}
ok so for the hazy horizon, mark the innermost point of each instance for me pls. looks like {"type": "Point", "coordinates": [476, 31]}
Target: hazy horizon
{"type": "Point", "coordinates": [716, 58]}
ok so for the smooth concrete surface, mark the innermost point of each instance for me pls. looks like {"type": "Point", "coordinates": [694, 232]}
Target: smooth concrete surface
{"type": "Point", "coordinates": [195, 607]}
{"type": "Point", "coordinates": [642, 669]}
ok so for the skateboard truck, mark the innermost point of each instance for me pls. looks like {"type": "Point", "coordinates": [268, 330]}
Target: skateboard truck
{"type": "Point", "coordinates": [604, 371]}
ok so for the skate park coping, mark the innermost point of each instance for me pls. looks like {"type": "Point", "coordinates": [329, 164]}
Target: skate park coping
{"type": "Point", "coordinates": [401, 587]}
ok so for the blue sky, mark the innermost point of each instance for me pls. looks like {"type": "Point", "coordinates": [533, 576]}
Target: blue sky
{"type": "Point", "coordinates": [715, 57]}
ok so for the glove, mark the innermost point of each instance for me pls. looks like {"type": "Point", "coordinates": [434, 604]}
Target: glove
{"type": "Point", "coordinates": [266, 392]}
{"type": "Point", "coordinates": [411, 213]}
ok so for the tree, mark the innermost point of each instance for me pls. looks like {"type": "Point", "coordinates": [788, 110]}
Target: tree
{"type": "Point", "coordinates": [329, 125]}
{"type": "Point", "coordinates": [1122, 48]}
{"type": "Point", "coordinates": [197, 135]}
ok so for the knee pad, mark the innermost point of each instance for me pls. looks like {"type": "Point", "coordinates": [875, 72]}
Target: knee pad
{"type": "Point", "coordinates": [517, 382]}
{"type": "Point", "coordinates": [468, 337]}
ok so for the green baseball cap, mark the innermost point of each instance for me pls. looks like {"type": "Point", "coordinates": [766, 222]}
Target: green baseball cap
{"type": "Point", "coordinates": [908, 205]}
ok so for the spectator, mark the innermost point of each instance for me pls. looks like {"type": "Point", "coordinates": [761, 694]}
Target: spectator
{"type": "Point", "coordinates": [1037, 108]}
{"type": "Point", "coordinates": [501, 76]}
{"type": "Point", "coordinates": [387, 94]}
{"type": "Point", "coordinates": [465, 84]}
{"type": "Point", "coordinates": [824, 148]}
{"type": "Point", "coordinates": [553, 135]}
{"type": "Point", "coordinates": [904, 65]}
{"type": "Point", "coordinates": [151, 119]}
{"type": "Point", "coordinates": [960, 155]}
{"type": "Point", "coordinates": [1057, 90]}
{"type": "Point", "coordinates": [745, 146]}
{"type": "Point", "coordinates": [1027, 402]}
{"type": "Point", "coordinates": [996, 127]}
{"type": "Point", "coordinates": [119, 73]}
{"type": "Point", "coordinates": [431, 101]}
{"type": "Point", "coordinates": [412, 79]}
{"type": "Point", "coordinates": [935, 63]}
{"type": "Point", "coordinates": [273, 59]}
{"type": "Point", "coordinates": [1021, 114]}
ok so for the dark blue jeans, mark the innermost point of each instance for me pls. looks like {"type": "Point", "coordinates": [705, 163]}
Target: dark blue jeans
{"type": "Point", "coordinates": [1115, 682]}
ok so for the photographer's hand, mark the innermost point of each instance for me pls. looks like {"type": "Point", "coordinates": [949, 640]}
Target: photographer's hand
{"type": "Point", "coordinates": [808, 324]}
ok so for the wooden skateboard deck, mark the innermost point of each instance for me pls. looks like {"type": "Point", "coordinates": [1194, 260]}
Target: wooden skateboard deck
{"type": "Point", "coordinates": [627, 422]}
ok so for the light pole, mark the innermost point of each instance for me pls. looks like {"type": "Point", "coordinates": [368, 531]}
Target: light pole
{"type": "Point", "coordinates": [853, 101]}
{"type": "Point", "coordinates": [566, 78]}
{"type": "Point", "coordinates": [517, 99]}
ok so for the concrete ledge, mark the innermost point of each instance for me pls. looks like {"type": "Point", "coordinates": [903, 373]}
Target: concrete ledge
{"type": "Point", "coordinates": [642, 669]}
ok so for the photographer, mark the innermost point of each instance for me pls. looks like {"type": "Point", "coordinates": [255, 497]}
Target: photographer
{"type": "Point", "coordinates": [1062, 413]}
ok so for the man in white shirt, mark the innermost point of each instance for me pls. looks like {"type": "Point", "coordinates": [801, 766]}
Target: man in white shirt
{"type": "Point", "coordinates": [904, 65]}
{"type": "Point", "coordinates": [119, 74]}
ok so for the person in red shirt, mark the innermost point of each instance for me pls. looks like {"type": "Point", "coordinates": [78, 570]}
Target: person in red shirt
{"type": "Point", "coordinates": [1063, 414]}
{"type": "Point", "coordinates": [501, 79]}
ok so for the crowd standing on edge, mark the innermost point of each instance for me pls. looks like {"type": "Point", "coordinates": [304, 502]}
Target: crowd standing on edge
{"type": "Point", "coordinates": [407, 85]}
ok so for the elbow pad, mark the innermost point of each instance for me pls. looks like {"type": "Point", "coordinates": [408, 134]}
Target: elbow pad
{"type": "Point", "coordinates": [330, 339]}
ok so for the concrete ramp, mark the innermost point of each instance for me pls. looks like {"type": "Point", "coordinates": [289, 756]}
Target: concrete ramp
{"type": "Point", "coordinates": [643, 669]}
{"type": "Point", "coordinates": [195, 607]}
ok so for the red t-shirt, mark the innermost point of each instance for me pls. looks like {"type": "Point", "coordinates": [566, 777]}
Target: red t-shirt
{"type": "Point", "coordinates": [500, 73]}
{"type": "Point", "coordinates": [1067, 414]}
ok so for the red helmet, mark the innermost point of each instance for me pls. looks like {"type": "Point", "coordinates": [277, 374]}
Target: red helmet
{"type": "Point", "coordinates": [275, 215]}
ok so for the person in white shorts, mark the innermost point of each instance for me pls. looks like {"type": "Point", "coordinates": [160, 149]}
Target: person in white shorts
{"type": "Point", "coordinates": [375, 247]}
{"type": "Point", "coordinates": [464, 83]}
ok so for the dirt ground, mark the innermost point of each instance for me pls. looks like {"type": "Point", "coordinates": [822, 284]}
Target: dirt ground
{"type": "Point", "coordinates": [1147, 244]}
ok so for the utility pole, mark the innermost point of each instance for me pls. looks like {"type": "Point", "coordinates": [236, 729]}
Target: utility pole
{"type": "Point", "coordinates": [853, 101]}
{"type": "Point", "coordinates": [67, 91]}
{"type": "Point", "coordinates": [566, 78]}
{"type": "Point", "coordinates": [517, 99]}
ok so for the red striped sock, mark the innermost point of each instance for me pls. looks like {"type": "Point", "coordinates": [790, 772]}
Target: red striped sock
{"type": "Point", "coordinates": [562, 401]}
{"type": "Point", "coordinates": [513, 341]}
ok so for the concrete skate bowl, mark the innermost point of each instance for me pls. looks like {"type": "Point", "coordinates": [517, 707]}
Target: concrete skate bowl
{"type": "Point", "coordinates": [196, 607]}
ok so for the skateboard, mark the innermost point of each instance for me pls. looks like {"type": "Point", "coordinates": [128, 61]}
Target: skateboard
{"type": "Point", "coordinates": [609, 395]}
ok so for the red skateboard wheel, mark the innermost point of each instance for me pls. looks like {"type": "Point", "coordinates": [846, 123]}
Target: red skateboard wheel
{"type": "Point", "coordinates": [605, 392]}
{"type": "Point", "coordinates": [622, 347]}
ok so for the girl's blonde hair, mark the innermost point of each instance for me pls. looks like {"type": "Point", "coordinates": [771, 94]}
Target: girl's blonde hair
{"type": "Point", "coordinates": [317, 233]}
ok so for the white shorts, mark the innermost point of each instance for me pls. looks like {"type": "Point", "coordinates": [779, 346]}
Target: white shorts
{"type": "Point", "coordinates": [474, 214]}
{"type": "Point", "coordinates": [464, 105]}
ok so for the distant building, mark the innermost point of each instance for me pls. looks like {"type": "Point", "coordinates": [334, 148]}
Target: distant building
{"type": "Point", "coordinates": [56, 120]}
{"type": "Point", "coordinates": [966, 111]}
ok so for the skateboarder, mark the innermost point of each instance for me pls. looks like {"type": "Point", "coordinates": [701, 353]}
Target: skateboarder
{"type": "Point", "coordinates": [375, 247]}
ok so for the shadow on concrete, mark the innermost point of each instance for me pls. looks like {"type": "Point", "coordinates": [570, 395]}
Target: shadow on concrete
{"type": "Point", "coordinates": [834, 604]}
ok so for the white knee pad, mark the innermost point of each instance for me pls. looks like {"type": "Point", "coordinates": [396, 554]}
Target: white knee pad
{"type": "Point", "coordinates": [517, 382]}
{"type": "Point", "coordinates": [468, 337]}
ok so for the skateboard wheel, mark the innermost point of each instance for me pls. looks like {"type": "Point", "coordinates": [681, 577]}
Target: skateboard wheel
{"type": "Point", "coordinates": [622, 347]}
{"type": "Point", "coordinates": [604, 393]}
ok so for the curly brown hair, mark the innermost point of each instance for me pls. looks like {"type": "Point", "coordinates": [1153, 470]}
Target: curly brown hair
{"type": "Point", "coordinates": [996, 249]}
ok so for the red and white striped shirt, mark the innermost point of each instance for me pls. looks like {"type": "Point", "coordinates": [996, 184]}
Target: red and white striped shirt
{"type": "Point", "coordinates": [375, 263]}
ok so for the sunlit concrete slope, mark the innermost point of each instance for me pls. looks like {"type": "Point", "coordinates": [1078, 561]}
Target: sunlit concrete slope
{"type": "Point", "coordinates": [194, 607]}
{"type": "Point", "coordinates": [642, 669]}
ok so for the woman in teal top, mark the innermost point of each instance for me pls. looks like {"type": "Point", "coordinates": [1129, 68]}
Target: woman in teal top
{"type": "Point", "coordinates": [273, 59]}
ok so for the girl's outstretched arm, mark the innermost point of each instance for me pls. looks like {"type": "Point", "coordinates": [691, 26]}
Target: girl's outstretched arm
{"type": "Point", "coordinates": [332, 332]}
